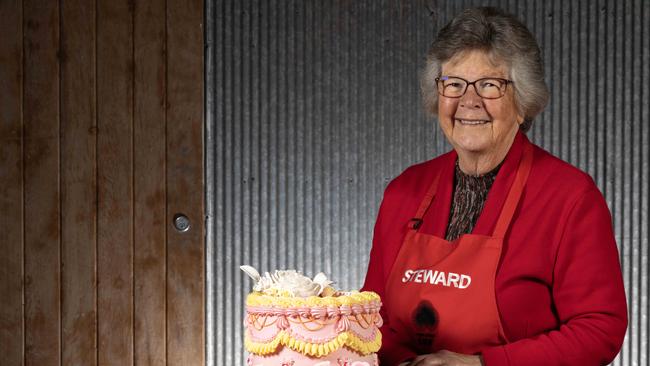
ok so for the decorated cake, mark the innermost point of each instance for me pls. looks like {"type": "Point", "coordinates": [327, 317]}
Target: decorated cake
{"type": "Point", "coordinates": [292, 320]}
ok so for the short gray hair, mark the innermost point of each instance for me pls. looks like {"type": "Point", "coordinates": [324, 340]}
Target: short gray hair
{"type": "Point", "coordinates": [503, 37]}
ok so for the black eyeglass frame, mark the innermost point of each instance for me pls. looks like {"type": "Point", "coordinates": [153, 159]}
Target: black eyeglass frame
{"type": "Point", "coordinates": [467, 84]}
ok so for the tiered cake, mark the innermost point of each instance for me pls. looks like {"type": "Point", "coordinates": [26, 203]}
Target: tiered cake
{"type": "Point", "coordinates": [292, 320]}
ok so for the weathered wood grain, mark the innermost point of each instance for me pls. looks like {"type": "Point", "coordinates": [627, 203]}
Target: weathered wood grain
{"type": "Point", "coordinates": [11, 185]}
{"type": "Point", "coordinates": [115, 182]}
{"type": "Point", "coordinates": [78, 185]}
{"type": "Point", "coordinates": [149, 183]}
{"type": "Point", "coordinates": [85, 157]}
{"type": "Point", "coordinates": [41, 185]}
{"type": "Point", "coordinates": [185, 253]}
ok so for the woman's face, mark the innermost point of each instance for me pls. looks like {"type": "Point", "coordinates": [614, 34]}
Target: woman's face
{"type": "Point", "coordinates": [473, 124]}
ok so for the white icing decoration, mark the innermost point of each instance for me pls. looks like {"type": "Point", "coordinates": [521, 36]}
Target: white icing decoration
{"type": "Point", "coordinates": [287, 282]}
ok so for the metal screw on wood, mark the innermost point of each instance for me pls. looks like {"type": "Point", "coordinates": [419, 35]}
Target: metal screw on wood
{"type": "Point", "coordinates": [181, 223]}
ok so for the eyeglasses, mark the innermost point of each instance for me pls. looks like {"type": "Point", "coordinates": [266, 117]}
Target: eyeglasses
{"type": "Point", "coordinates": [488, 88]}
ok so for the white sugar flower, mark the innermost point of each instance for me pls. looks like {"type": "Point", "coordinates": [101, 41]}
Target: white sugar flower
{"type": "Point", "coordinates": [287, 283]}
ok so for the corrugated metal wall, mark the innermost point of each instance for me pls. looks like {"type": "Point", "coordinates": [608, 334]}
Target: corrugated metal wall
{"type": "Point", "coordinates": [313, 107]}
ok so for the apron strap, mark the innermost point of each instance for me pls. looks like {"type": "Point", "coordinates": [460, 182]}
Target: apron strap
{"type": "Point", "coordinates": [512, 201]}
{"type": "Point", "coordinates": [509, 207]}
{"type": "Point", "coordinates": [416, 221]}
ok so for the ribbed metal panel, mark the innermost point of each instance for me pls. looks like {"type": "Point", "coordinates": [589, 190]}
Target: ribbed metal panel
{"type": "Point", "coordinates": [312, 107]}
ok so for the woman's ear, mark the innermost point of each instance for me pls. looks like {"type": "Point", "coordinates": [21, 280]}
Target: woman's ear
{"type": "Point", "coordinates": [520, 118]}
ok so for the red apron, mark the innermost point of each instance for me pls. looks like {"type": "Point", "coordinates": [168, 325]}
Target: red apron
{"type": "Point", "coordinates": [440, 294]}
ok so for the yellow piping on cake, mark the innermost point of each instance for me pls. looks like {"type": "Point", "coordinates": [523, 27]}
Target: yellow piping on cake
{"type": "Point", "coordinates": [283, 338]}
{"type": "Point", "coordinates": [259, 299]}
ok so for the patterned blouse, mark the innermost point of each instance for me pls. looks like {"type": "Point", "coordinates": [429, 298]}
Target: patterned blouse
{"type": "Point", "coordinates": [470, 193]}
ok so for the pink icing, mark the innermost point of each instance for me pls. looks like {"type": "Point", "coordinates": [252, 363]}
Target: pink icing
{"type": "Point", "coordinates": [368, 307]}
{"type": "Point", "coordinates": [346, 310]}
{"type": "Point", "coordinates": [304, 311]}
{"type": "Point", "coordinates": [293, 312]}
{"type": "Point", "coordinates": [379, 322]}
{"type": "Point", "coordinates": [333, 311]}
{"type": "Point", "coordinates": [319, 312]}
{"type": "Point", "coordinates": [343, 324]}
{"type": "Point", "coordinates": [315, 325]}
{"type": "Point", "coordinates": [357, 309]}
{"type": "Point", "coordinates": [322, 335]}
{"type": "Point", "coordinates": [282, 323]}
{"type": "Point", "coordinates": [264, 335]}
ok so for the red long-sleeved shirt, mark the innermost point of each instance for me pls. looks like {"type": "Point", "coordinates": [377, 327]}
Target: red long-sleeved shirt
{"type": "Point", "coordinates": [559, 287]}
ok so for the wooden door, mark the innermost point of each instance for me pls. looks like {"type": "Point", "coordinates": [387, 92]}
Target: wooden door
{"type": "Point", "coordinates": [101, 146]}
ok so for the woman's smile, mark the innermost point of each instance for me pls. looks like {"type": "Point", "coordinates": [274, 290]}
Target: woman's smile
{"type": "Point", "coordinates": [471, 122]}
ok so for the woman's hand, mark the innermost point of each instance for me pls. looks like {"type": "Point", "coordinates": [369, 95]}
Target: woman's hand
{"type": "Point", "coordinates": [446, 358]}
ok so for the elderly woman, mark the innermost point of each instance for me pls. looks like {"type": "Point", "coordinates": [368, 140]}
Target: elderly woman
{"type": "Point", "coordinates": [496, 253]}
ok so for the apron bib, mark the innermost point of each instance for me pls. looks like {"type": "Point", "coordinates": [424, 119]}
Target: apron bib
{"type": "Point", "coordinates": [440, 294]}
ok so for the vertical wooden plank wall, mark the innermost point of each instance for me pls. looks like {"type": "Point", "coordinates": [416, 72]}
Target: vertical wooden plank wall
{"type": "Point", "coordinates": [101, 144]}
{"type": "Point", "coordinates": [150, 189]}
{"type": "Point", "coordinates": [11, 184]}
{"type": "Point", "coordinates": [115, 193]}
{"type": "Point", "coordinates": [78, 183]}
{"type": "Point", "coordinates": [41, 183]}
{"type": "Point", "coordinates": [185, 282]}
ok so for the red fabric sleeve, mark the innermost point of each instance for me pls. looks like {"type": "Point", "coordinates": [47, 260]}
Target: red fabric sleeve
{"type": "Point", "coordinates": [392, 352]}
{"type": "Point", "coordinates": [588, 296]}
